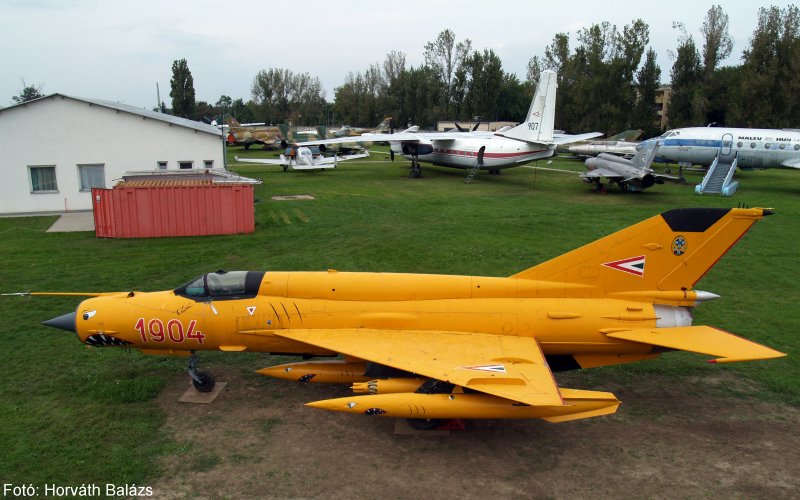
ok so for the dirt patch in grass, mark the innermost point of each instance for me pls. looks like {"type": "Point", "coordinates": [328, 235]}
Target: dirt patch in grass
{"type": "Point", "coordinates": [292, 197]}
{"type": "Point", "coordinates": [670, 438]}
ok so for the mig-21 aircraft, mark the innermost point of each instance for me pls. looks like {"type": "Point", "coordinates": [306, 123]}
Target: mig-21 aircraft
{"type": "Point", "coordinates": [247, 135]}
{"type": "Point", "coordinates": [635, 174]}
{"type": "Point", "coordinates": [429, 347]}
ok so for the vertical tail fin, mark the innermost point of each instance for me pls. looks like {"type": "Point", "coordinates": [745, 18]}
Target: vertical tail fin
{"type": "Point", "coordinates": [645, 155]}
{"type": "Point", "coordinates": [286, 133]}
{"type": "Point", "coordinates": [384, 126]}
{"type": "Point", "coordinates": [668, 252]}
{"type": "Point", "coordinates": [538, 125]}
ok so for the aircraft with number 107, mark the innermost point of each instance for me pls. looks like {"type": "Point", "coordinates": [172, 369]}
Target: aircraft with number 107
{"type": "Point", "coordinates": [534, 139]}
{"type": "Point", "coordinates": [428, 347]}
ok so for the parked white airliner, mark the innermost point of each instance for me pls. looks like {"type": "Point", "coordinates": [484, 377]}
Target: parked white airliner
{"type": "Point", "coordinates": [534, 139]}
{"type": "Point", "coordinates": [755, 147]}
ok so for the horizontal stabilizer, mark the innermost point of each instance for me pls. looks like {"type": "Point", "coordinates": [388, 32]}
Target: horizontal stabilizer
{"type": "Point", "coordinates": [702, 339]}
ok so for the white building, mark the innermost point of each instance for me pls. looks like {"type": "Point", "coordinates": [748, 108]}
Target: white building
{"type": "Point", "coordinates": [53, 150]}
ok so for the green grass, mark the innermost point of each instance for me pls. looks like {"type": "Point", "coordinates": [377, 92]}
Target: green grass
{"type": "Point", "coordinates": [72, 415]}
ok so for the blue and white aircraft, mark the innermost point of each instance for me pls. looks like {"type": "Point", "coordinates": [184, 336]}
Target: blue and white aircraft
{"type": "Point", "coordinates": [755, 148]}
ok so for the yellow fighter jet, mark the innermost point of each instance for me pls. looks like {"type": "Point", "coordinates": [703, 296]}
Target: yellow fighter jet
{"type": "Point", "coordinates": [428, 347]}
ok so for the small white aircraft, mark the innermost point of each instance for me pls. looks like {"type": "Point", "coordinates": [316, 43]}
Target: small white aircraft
{"type": "Point", "coordinates": [754, 147]}
{"type": "Point", "coordinates": [534, 139]}
{"type": "Point", "coordinates": [630, 175]}
{"type": "Point", "coordinates": [302, 158]}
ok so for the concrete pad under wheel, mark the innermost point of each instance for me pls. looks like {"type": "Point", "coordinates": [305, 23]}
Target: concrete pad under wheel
{"type": "Point", "coordinates": [192, 395]}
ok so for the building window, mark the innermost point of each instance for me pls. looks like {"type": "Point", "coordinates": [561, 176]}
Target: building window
{"type": "Point", "coordinates": [184, 165]}
{"type": "Point", "coordinates": [92, 176]}
{"type": "Point", "coordinates": [43, 179]}
{"type": "Point", "coordinates": [208, 163]}
{"type": "Point", "coordinates": [162, 165]}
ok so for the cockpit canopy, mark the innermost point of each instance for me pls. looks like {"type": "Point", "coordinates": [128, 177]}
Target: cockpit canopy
{"type": "Point", "coordinates": [222, 285]}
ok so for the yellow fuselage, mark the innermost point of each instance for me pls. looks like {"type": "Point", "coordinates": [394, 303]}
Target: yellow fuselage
{"type": "Point", "coordinates": [332, 300]}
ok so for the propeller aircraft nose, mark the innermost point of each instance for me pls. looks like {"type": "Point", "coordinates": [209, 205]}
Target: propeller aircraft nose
{"type": "Point", "coordinates": [64, 322]}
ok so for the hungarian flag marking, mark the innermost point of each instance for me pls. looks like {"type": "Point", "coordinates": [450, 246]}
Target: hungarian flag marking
{"type": "Point", "coordinates": [632, 265]}
{"type": "Point", "coordinates": [487, 368]}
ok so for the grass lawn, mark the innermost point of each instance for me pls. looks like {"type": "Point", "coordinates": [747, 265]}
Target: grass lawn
{"type": "Point", "coordinates": [73, 415]}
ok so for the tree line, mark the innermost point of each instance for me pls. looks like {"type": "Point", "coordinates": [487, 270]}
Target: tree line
{"type": "Point", "coordinates": [607, 82]}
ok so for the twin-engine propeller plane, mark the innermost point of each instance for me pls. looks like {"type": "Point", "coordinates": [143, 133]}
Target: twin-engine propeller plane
{"type": "Point", "coordinates": [534, 139]}
{"type": "Point", "coordinates": [428, 347]}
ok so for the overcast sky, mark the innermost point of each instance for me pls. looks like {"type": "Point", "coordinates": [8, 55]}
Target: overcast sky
{"type": "Point", "coordinates": [117, 50]}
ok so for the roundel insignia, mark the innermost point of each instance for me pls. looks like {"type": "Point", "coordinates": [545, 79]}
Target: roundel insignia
{"type": "Point", "coordinates": [679, 245]}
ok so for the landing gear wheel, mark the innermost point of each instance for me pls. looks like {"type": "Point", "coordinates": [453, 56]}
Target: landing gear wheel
{"type": "Point", "coordinates": [416, 170]}
{"type": "Point", "coordinates": [431, 386]}
{"type": "Point", "coordinates": [204, 382]}
{"type": "Point", "coordinates": [424, 424]}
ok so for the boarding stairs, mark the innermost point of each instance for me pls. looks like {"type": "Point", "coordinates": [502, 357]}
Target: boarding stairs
{"type": "Point", "coordinates": [473, 171]}
{"type": "Point", "coordinates": [719, 178]}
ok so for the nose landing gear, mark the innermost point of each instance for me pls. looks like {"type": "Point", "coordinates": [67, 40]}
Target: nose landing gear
{"type": "Point", "coordinates": [416, 170]}
{"type": "Point", "coordinates": [202, 381]}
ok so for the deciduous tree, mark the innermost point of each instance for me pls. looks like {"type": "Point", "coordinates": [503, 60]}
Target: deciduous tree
{"type": "Point", "coordinates": [28, 93]}
{"type": "Point", "coordinates": [182, 90]}
{"type": "Point", "coordinates": [647, 83]}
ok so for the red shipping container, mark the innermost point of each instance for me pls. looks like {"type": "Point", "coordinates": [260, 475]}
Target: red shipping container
{"type": "Point", "coordinates": [196, 209]}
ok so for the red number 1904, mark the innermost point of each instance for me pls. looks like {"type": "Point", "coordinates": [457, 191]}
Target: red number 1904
{"type": "Point", "coordinates": [155, 331]}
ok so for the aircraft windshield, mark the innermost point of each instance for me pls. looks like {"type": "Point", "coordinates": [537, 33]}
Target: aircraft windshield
{"type": "Point", "coordinates": [222, 285]}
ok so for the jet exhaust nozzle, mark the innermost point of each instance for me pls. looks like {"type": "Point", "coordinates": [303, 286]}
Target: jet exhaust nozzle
{"type": "Point", "coordinates": [63, 322]}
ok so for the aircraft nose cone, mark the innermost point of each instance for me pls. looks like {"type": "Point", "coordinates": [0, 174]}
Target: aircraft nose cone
{"type": "Point", "coordinates": [64, 322]}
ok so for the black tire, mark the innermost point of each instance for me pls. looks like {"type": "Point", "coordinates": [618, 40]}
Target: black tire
{"type": "Point", "coordinates": [423, 424]}
{"type": "Point", "coordinates": [206, 383]}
